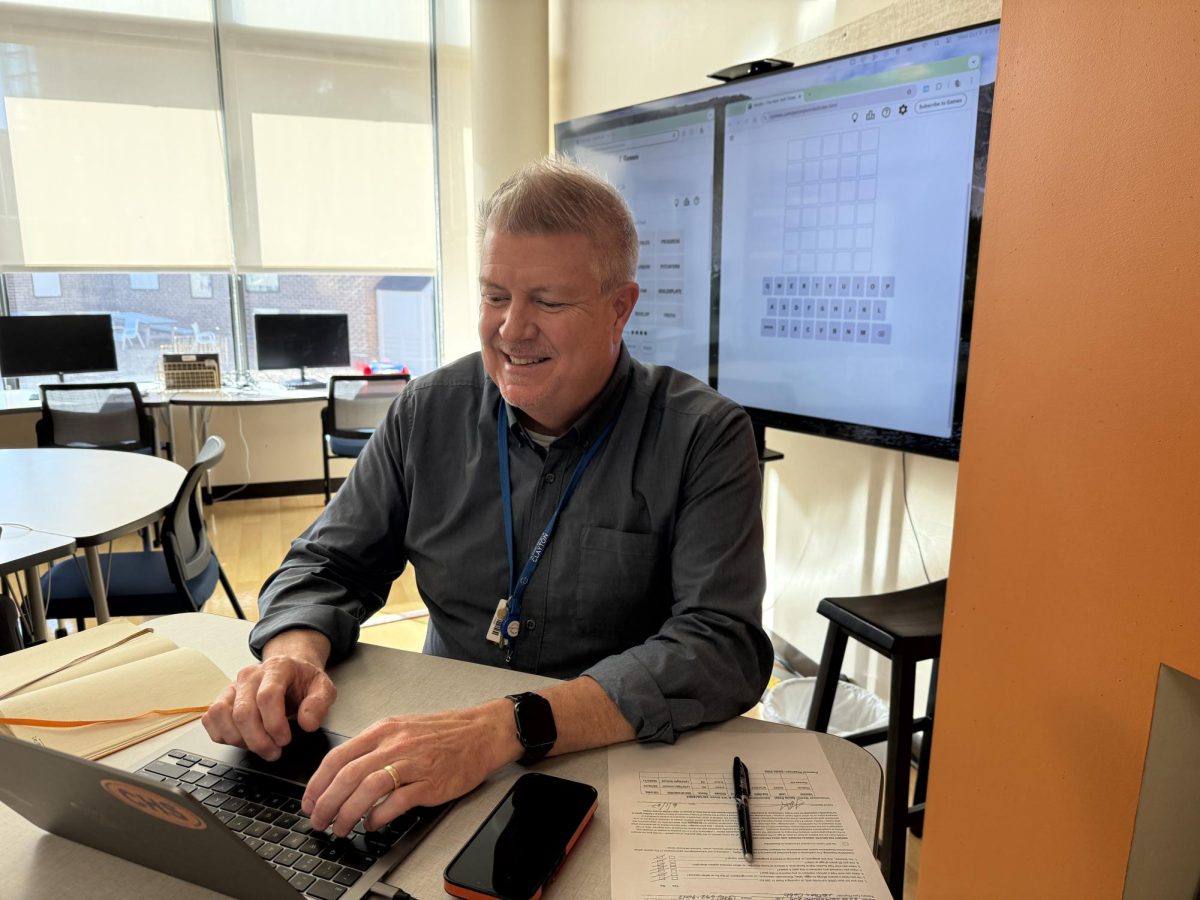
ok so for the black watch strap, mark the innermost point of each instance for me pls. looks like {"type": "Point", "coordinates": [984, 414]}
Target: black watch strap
{"type": "Point", "coordinates": [535, 725]}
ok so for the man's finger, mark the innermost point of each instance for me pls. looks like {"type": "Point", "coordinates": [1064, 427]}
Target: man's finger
{"type": "Point", "coordinates": [247, 717]}
{"type": "Point", "coordinates": [217, 721]}
{"type": "Point", "coordinates": [394, 804]}
{"type": "Point", "coordinates": [335, 762]}
{"type": "Point", "coordinates": [374, 785]}
{"type": "Point", "coordinates": [271, 698]}
{"type": "Point", "coordinates": [316, 703]}
{"type": "Point", "coordinates": [328, 805]}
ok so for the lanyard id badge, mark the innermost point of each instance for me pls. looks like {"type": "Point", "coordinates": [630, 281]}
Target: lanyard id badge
{"type": "Point", "coordinates": [506, 623]}
{"type": "Point", "coordinates": [493, 632]}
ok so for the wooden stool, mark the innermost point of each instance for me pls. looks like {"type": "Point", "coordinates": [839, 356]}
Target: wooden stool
{"type": "Point", "coordinates": [906, 627]}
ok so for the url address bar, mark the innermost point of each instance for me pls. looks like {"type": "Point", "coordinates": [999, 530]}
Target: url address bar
{"type": "Point", "coordinates": [665, 137]}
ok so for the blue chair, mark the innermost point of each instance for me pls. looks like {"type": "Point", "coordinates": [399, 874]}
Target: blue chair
{"type": "Point", "coordinates": [96, 417]}
{"type": "Point", "coordinates": [179, 578]}
{"type": "Point", "coordinates": [357, 404]}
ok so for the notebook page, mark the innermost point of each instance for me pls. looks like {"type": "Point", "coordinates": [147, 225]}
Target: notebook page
{"type": "Point", "coordinates": [179, 678]}
{"type": "Point", "coordinates": [17, 669]}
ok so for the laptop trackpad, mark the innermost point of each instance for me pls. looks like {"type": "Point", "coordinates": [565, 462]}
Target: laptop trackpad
{"type": "Point", "coordinates": [300, 758]}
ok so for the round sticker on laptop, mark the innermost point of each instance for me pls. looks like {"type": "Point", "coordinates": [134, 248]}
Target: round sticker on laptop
{"type": "Point", "coordinates": [152, 804]}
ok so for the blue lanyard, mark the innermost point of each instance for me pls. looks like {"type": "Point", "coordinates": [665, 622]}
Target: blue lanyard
{"type": "Point", "coordinates": [511, 626]}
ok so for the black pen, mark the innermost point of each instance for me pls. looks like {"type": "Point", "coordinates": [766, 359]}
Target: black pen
{"type": "Point", "coordinates": [741, 793]}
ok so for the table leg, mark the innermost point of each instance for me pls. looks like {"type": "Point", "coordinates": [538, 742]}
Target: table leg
{"type": "Point", "coordinates": [170, 432]}
{"type": "Point", "coordinates": [96, 584]}
{"type": "Point", "coordinates": [37, 607]}
{"type": "Point", "coordinates": [194, 429]}
{"type": "Point", "coordinates": [199, 430]}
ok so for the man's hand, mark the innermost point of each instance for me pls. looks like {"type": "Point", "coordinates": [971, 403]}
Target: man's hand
{"type": "Point", "coordinates": [436, 757]}
{"type": "Point", "coordinates": [253, 711]}
{"type": "Point", "coordinates": [441, 756]}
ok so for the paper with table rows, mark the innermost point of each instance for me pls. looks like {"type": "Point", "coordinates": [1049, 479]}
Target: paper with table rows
{"type": "Point", "coordinates": [674, 832]}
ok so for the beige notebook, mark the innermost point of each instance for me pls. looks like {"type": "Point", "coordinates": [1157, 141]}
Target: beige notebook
{"type": "Point", "coordinates": [114, 671]}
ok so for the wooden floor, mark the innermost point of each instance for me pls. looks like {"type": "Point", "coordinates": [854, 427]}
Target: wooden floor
{"type": "Point", "coordinates": [251, 537]}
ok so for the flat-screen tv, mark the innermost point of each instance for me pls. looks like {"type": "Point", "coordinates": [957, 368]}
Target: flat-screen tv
{"type": "Point", "coordinates": [300, 341]}
{"type": "Point", "coordinates": [810, 236]}
{"type": "Point", "coordinates": [56, 345]}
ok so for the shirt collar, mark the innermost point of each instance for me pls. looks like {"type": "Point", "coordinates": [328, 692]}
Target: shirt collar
{"type": "Point", "coordinates": [596, 416]}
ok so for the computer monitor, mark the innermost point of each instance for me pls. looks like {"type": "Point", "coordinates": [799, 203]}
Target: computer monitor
{"type": "Point", "coordinates": [300, 341]}
{"type": "Point", "coordinates": [816, 231]}
{"type": "Point", "coordinates": [56, 345]}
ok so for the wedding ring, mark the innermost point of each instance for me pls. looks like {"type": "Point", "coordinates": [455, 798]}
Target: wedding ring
{"type": "Point", "coordinates": [395, 778]}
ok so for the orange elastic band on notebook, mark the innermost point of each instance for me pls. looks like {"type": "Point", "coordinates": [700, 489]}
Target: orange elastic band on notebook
{"type": "Point", "coordinates": [64, 723]}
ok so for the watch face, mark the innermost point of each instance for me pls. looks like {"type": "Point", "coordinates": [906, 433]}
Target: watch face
{"type": "Point", "coordinates": [535, 722]}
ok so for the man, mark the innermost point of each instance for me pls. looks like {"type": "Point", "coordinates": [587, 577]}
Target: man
{"type": "Point", "coordinates": [646, 593]}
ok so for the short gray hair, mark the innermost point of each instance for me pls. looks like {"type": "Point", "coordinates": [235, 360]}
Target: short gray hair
{"type": "Point", "coordinates": [557, 196]}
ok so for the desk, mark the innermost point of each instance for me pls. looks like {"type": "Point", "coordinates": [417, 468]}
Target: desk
{"type": "Point", "coordinates": [197, 402]}
{"type": "Point", "coordinates": [270, 393]}
{"type": "Point", "coordinates": [38, 866]}
{"type": "Point", "coordinates": [91, 496]}
{"type": "Point", "coordinates": [29, 400]}
{"type": "Point", "coordinates": [22, 548]}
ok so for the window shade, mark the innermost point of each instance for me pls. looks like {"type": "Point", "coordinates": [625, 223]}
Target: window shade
{"type": "Point", "coordinates": [329, 135]}
{"type": "Point", "coordinates": [110, 148]}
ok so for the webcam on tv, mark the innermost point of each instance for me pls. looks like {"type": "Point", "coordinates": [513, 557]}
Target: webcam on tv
{"type": "Point", "coordinates": [744, 70]}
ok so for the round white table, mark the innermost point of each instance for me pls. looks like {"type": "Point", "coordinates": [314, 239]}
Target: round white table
{"type": "Point", "coordinates": [91, 496]}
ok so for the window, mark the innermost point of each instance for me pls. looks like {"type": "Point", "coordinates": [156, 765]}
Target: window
{"type": "Point", "coordinates": [111, 139]}
{"type": "Point", "coordinates": [46, 284]}
{"type": "Point", "coordinates": [380, 308]}
{"type": "Point", "coordinates": [202, 286]}
{"type": "Point", "coordinates": [145, 323]}
{"type": "Point", "coordinates": [115, 164]}
{"type": "Point", "coordinates": [261, 284]}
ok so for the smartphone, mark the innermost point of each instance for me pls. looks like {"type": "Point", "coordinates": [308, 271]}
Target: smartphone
{"type": "Point", "coordinates": [523, 841]}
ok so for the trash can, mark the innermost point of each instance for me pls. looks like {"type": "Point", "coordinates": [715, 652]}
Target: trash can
{"type": "Point", "coordinates": [854, 708]}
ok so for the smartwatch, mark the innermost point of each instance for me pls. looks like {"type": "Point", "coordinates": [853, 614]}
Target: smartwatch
{"type": "Point", "coordinates": [535, 725]}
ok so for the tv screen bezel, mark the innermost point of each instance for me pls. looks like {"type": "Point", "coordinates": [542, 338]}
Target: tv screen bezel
{"type": "Point", "coordinates": [93, 342]}
{"type": "Point", "coordinates": [924, 444]}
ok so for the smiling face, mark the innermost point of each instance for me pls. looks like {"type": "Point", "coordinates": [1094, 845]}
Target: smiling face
{"type": "Point", "coordinates": [549, 335]}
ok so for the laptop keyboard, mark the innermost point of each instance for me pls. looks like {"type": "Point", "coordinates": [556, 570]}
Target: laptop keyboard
{"type": "Point", "coordinates": [265, 812]}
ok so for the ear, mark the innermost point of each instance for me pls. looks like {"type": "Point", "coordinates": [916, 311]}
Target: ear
{"type": "Point", "coordinates": [624, 299]}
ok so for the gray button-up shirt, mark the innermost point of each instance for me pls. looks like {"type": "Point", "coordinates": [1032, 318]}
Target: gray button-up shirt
{"type": "Point", "coordinates": [652, 584]}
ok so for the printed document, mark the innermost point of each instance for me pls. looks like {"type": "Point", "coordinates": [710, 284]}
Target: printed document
{"type": "Point", "coordinates": [674, 828]}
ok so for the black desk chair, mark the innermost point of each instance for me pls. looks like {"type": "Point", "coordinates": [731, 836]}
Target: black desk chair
{"type": "Point", "coordinates": [95, 416]}
{"type": "Point", "coordinates": [357, 404]}
{"type": "Point", "coordinates": [906, 627]}
{"type": "Point", "coordinates": [179, 578]}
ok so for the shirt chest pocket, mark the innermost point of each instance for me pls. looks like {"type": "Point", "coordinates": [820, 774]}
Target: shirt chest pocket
{"type": "Point", "coordinates": [623, 587]}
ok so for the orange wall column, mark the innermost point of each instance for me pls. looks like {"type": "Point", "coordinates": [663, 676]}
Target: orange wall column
{"type": "Point", "coordinates": [1076, 555]}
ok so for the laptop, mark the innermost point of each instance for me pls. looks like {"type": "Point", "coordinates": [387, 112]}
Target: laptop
{"type": "Point", "coordinates": [216, 816]}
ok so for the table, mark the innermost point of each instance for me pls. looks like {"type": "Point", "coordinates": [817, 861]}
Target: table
{"type": "Point", "coordinates": [27, 400]}
{"type": "Point", "coordinates": [268, 393]}
{"type": "Point", "coordinates": [22, 548]}
{"type": "Point", "coordinates": [196, 402]}
{"type": "Point", "coordinates": [38, 865]}
{"type": "Point", "coordinates": [90, 496]}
